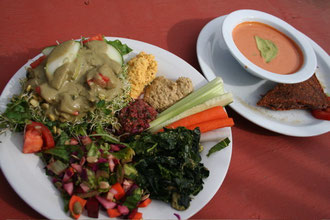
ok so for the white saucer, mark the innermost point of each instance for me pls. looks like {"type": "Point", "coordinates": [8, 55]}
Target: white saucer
{"type": "Point", "coordinates": [216, 60]}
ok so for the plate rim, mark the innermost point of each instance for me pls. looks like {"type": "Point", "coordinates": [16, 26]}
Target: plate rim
{"type": "Point", "coordinates": [240, 109]}
{"type": "Point", "coordinates": [8, 172]}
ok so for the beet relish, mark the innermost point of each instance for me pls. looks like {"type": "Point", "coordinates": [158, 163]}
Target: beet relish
{"type": "Point", "coordinates": [135, 117]}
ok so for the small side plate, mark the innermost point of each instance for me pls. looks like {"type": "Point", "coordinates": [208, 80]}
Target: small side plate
{"type": "Point", "coordinates": [216, 60]}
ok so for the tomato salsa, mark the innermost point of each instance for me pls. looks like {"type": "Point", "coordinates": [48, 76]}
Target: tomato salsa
{"type": "Point", "coordinates": [289, 57]}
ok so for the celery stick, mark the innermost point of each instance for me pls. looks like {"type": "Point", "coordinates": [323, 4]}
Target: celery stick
{"type": "Point", "coordinates": [221, 100]}
{"type": "Point", "coordinates": [215, 86]}
{"type": "Point", "coordinates": [211, 90]}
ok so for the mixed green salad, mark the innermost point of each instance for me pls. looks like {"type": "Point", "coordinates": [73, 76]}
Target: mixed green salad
{"type": "Point", "coordinates": [96, 167]}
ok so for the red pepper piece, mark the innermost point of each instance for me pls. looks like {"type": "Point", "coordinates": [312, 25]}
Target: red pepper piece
{"type": "Point", "coordinates": [38, 90]}
{"type": "Point", "coordinates": [37, 62]}
{"type": "Point", "coordinates": [98, 37]}
{"type": "Point", "coordinates": [105, 78]}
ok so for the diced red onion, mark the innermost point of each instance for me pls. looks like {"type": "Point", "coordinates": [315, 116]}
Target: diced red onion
{"type": "Point", "coordinates": [82, 161]}
{"type": "Point", "coordinates": [110, 196]}
{"type": "Point", "coordinates": [133, 187]}
{"type": "Point", "coordinates": [112, 165]}
{"type": "Point", "coordinates": [114, 147]}
{"type": "Point", "coordinates": [123, 209]}
{"type": "Point", "coordinates": [54, 180]}
{"type": "Point", "coordinates": [102, 160]}
{"type": "Point", "coordinates": [127, 185]}
{"type": "Point", "coordinates": [78, 190]}
{"type": "Point", "coordinates": [67, 176]}
{"type": "Point", "coordinates": [68, 187]}
{"type": "Point", "coordinates": [177, 215]}
{"type": "Point", "coordinates": [105, 203]}
{"type": "Point", "coordinates": [93, 166]}
{"type": "Point", "coordinates": [84, 174]}
{"type": "Point", "coordinates": [113, 191]}
{"type": "Point", "coordinates": [72, 160]}
{"type": "Point", "coordinates": [77, 167]}
{"type": "Point", "coordinates": [84, 187]}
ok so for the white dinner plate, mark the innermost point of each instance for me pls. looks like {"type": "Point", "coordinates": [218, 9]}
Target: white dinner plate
{"type": "Point", "coordinates": [216, 60]}
{"type": "Point", "coordinates": [25, 172]}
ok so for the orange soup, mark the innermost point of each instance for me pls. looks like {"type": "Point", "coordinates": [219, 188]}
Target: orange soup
{"type": "Point", "coordinates": [289, 57]}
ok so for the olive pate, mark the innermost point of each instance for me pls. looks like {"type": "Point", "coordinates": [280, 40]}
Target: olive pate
{"type": "Point", "coordinates": [74, 77]}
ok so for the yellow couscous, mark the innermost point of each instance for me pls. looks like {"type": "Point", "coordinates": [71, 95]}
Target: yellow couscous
{"type": "Point", "coordinates": [142, 71]}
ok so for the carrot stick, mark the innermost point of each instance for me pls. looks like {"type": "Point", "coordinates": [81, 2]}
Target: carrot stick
{"type": "Point", "coordinates": [217, 112]}
{"type": "Point", "coordinates": [211, 125]}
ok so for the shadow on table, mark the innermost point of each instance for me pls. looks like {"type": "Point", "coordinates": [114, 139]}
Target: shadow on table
{"type": "Point", "coordinates": [286, 177]}
{"type": "Point", "coordinates": [182, 39]}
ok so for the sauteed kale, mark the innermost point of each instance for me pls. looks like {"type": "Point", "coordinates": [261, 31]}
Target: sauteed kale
{"type": "Point", "coordinates": [169, 165]}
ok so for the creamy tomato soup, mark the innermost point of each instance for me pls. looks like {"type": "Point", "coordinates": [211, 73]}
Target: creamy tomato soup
{"type": "Point", "coordinates": [289, 57]}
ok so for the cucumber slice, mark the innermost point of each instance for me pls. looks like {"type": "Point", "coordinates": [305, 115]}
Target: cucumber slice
{"type": "Point", "coordinates": [114, 54]}
{"type": "Point", "coordinates": [47, 50]}
{"type": "Point", "coordinates": [65, 52]}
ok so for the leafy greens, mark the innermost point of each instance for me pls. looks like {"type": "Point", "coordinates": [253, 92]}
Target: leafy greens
{"type": "Point", "coordinates": [169, 165]}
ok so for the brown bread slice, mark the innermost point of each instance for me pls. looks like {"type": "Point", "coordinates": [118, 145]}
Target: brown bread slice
{"type": "Point", "coordinates": [305, 95]}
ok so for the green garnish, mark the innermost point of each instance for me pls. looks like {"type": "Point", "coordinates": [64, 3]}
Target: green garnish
{"type": "Point", "coordinates": [267, 48]}
{"type": "Point", "coordinates": [219, 146]}
{"type": "Point", "coordinates": [122, 48]}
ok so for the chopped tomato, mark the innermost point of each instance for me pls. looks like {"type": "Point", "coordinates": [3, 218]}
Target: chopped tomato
{"type": "Point", "coordinates": [32, 141]}
{"type": "Point", "coordinates": [33, 132]}
{"type": "Point", "coordinates": [322, 114]}
{"type": "Point", "coordinates": [98, 37]}
{"type": "Point", "coordinates": [38, 90]}
{"type": "Point", "coordinates": [37, 62]}
{"type": "Point", "coordinates": [46, 134]}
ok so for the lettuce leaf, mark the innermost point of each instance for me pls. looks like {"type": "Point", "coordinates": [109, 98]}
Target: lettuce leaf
{"type": "Point", "coordinates": [122, 48]}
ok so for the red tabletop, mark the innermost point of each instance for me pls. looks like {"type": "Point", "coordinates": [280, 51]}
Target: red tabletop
{"type": "Point", "coordinates": [271, 176]}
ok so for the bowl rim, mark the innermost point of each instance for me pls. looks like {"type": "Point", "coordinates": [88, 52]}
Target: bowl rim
{"type": "Point", "coordinates": [237, 17]}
